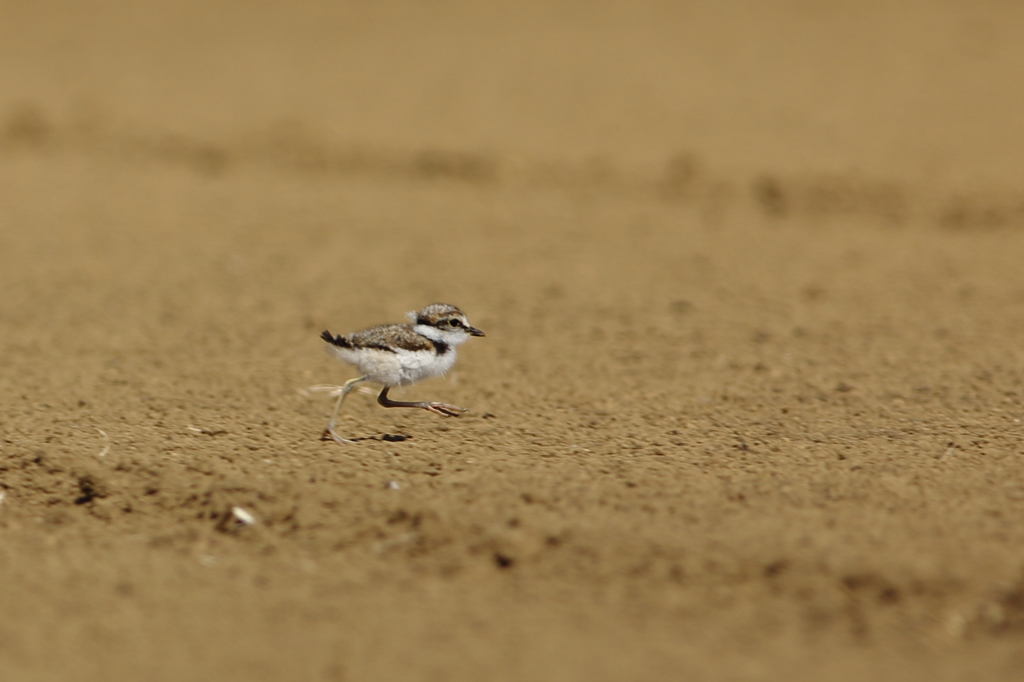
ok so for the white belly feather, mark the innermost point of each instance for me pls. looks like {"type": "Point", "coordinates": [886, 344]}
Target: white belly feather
{"type": "Point", "coordinates": [396, 368]}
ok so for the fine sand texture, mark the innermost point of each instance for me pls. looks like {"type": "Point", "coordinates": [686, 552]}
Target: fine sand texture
{"type": "Point", "coordinates": [750, 402]}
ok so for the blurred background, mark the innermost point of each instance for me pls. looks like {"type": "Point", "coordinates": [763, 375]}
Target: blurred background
{"type": "Point", "coordinates": [925, 91]}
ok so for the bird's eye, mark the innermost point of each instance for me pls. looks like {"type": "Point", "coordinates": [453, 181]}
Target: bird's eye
{"type": "Point", "coordinates": [455, 323]}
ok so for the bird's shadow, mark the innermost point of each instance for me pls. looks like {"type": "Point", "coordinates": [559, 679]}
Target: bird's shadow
{"type": "Point", "coordinates": [385, 437]}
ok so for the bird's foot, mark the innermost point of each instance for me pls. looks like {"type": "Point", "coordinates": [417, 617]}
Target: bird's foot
{"type": "Point", "coordinates": [444, 409]}
{"type": "Point", "coordinates": [330, 434]}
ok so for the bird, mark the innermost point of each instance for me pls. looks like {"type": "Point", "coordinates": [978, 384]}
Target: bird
{"type": "Point", "coordinates": [400, 355]}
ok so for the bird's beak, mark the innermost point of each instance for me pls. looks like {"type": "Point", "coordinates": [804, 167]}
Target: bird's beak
{"type": "Point", "coordinates": [473, 331]}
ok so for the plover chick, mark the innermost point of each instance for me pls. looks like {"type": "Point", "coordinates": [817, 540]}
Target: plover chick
{"type": "Point", "coordinates": [402, 354]}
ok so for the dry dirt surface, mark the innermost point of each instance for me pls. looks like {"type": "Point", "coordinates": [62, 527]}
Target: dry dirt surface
{"type": "Point", "coordinates": [750, 402]}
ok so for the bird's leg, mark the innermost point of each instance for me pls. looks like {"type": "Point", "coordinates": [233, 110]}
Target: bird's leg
{"type": "Point", "coordinates": [443, 409]}
{"type": "Point", "coordinates": [329, 433]}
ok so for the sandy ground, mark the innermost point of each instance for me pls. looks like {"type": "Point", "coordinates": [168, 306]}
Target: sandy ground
{"type": "Point", "coordinates": [750, 402]}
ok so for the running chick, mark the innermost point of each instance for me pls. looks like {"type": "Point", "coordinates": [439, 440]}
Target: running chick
{"type": "Point", "coordinates": [402, 354]}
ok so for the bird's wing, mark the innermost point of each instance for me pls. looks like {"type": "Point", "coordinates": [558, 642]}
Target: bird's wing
{"type": "Point", "coordinates": [391, 337]}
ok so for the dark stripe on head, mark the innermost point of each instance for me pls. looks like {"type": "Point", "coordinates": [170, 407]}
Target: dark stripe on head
{"type": "Point", "coordinates": [435, 312]}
